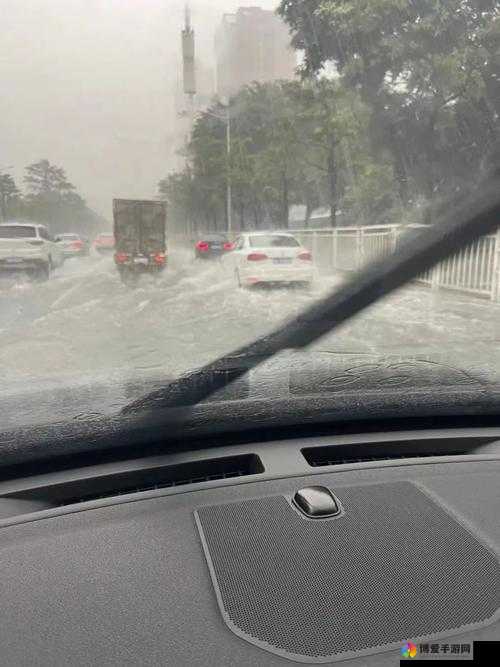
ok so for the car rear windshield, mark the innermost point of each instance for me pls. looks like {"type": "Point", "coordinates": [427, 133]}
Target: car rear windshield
{"type": "Point", "coordinates": [17, 232]}
{"type": "Point", "coordinates": [214, 237]}
{"type": "Point", "coordinates": [273, 241]}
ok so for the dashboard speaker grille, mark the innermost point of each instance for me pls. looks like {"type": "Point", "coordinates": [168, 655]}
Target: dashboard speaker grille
{"type": "Point", "coordinates": [395, 566]}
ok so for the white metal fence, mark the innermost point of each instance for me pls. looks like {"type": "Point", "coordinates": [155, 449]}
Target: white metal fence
{"type": "Point", "coordinates": [348, 248]}
{"type": "Point", "coordinates": [475, 269]}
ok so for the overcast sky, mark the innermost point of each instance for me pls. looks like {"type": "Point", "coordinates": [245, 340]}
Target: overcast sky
{"type": "Point", "coordinates": [88, 85]}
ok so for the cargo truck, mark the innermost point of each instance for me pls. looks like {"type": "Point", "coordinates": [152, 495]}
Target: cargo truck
{"type": "Point", "coordinates": [140, 237]}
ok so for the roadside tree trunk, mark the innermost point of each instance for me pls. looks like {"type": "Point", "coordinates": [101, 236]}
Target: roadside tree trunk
{"type": "Point", "coordinates": [332, 183]}
{"type": "Point", "coordinates": [242, 216]}
{"type": "Point", "coordinates": [286, 203]}
{"type": "Point", "coordinates": [309, 212]}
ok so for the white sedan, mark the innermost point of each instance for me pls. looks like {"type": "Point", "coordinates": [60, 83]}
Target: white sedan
{"type": "Point", "coordinates": [269, 257]}
{"type": "Point", "coordinates": [28, 247]}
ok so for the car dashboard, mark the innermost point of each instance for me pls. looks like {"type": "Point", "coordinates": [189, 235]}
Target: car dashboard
{"type": "Point", "coordinates": [204, 557]}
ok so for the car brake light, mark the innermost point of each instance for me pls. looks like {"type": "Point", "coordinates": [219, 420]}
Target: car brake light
{"type": "Point", "coordinates": [305, 256]}
{"type": "Point", "coordinates": [256, 257]}
{"type": "Point", "coordinates": [159, 258]}
{"type": "Point", "coordinates": [121, 257]}
{"type": "Point", "coordinates": [228, 246]}
{"type": "Point", "coordinates": [202, 246]}
{"type": "Point", "coordinates": [77, 244]}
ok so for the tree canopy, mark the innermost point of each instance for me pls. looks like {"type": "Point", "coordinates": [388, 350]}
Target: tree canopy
{"type": "Point", "coordinates": [49, 198]}
{"type": "Point", "coordinates": [9, 195]}
{"type": "Point", "coordinates": [428, 70]}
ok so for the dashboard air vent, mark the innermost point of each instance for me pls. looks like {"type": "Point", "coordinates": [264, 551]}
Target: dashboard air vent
{"type": "Point", "coordinates": [385, 451]}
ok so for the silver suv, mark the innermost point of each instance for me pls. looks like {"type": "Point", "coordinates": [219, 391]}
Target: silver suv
{"type": "Point", "coordinates": [28, 247]}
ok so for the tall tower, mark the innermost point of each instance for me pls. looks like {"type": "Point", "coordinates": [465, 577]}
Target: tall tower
{"type": "Point", "coordinates": [188, 57]}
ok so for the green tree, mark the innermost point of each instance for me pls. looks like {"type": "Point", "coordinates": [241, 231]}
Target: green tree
{"type": "Point", "coordinates": [429, 72]}
{"type": "Point", "coordinates": [52, 199]}
{"type": "Point", "coordinates": [9, 196]}
{"type": "Point", "coordinates": [44, 178]}
{"type": "Point", "coordinates": [208, 165]}
{"type": "Point", "coordinates": [292, 143]}
{"type": "Point", "coordinates": [183, 205]}
{"type": "Point", "coordinates": [332, 129]}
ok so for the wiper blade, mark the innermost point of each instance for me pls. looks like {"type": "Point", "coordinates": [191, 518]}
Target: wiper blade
{"type": "Point", "coordinates": [466, 221]}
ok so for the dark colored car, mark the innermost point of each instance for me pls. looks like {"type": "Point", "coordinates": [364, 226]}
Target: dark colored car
{"type": "Point", "coordinates": [211, 246]}
{"type": "Point", "coordinates": [73, 245]}
{"type": "Point", "coordinates": [104, 243]}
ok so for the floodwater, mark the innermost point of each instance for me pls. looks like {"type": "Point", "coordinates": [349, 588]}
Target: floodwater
{"type": "Point", "coordinates": [84, 328]}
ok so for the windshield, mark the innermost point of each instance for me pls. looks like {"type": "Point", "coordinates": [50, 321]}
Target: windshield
{"type": "Point", "coordinates": [244, 162]}
{"type": "Point", "coordinates": [16, 232]}
{"type": "Point", "coordinates": [213, 237]}
{"type": "Point", "coordinates": [273, 241]}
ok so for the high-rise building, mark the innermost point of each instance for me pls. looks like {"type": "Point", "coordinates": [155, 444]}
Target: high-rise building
{"type": "Point", "coordinates": [252, 45]}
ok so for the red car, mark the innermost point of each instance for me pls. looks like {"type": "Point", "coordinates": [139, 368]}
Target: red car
{"type": "Point", "coordinates": [104, 243]}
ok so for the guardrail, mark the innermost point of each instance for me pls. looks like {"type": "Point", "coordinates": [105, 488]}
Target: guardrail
{"type": "Point", "coordinates": [475, 269]}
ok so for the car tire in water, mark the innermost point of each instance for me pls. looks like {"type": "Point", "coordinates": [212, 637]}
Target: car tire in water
{"type": "Point", "coordinates": [42, 274]}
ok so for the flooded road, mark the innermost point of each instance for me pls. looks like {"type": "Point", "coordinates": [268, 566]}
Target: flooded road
{"type": "Point", "coordinates": [84, 326]}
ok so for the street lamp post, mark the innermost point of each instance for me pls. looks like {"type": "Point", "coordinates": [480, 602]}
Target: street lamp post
{"type": "Point", "coordinates": [229, 190]}
{"type": "Point", "coordinates": [229, 193]}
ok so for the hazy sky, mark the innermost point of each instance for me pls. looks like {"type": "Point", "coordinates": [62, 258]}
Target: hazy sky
{"type": "Point", "coordinates": [88, 84]}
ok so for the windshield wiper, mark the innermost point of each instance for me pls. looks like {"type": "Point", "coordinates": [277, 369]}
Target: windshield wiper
{"type": "Point", "coordinates": [465, 221]}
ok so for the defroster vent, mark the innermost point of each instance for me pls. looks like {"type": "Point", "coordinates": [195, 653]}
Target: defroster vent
{"type": "Point", "coordinates": [70, 492]}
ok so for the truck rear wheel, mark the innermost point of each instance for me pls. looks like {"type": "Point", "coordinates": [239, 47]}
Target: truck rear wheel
{"type": "Point", "coordinates": [129, 277]}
